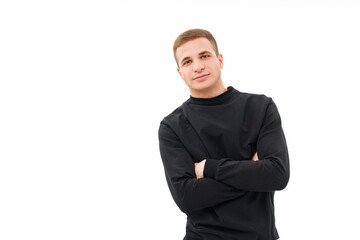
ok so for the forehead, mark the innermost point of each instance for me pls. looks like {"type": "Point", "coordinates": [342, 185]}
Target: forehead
{"type": "Point", "coordinates": [194, 47]}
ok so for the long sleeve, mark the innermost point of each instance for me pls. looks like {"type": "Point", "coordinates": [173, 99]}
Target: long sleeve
{"type": "Point", "coordinates": [188, 192]}
{"type": "Point", "coordinates": [271, 172]}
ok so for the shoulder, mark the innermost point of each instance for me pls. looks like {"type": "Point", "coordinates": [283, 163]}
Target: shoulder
{"type": "Point", "coordinates": [255, 106]}
{"type": "Point", "coordinates": [254, 98]}
{"type": "Point", "coordinates": [173, 122]}
{"type": "Point", "coordinates": [261, 106]}
{"type": "Point", "coordinates": [254, 101]}
{"type": "Point", "coordinates": [173, 117]}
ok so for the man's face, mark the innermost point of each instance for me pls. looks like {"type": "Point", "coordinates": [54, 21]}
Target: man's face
{"type": "Point", "coordinates": [199, 66]}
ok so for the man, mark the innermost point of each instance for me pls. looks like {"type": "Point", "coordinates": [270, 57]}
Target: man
{"type": "Point", "coordinates": [224, 151]}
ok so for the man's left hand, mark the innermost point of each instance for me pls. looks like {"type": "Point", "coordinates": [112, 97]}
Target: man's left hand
{"type": "Point", "coordinates": [199, 169]}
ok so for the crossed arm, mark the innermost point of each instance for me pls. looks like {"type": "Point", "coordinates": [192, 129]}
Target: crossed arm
{"type": "Point", "coordinates": [269, 170]}
{"type": "Point", "coordinates": [188, 192]}
{"type": "Point", "coordinates": [199, 167]}
{"type": "Point", "coordinates": [213, 181]}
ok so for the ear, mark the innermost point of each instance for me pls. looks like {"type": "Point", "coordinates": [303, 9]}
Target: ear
{"type": "Point", "coordinates": [221, 60]}
{"type": "Point", "coordinates": [179, 72]}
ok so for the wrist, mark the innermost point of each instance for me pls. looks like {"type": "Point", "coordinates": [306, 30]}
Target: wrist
{"type": "Point", "coordinates": [210, 168]}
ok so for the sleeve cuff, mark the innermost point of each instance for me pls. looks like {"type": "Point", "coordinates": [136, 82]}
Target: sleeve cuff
{"type": "Point", "coordinates": [210, 167]}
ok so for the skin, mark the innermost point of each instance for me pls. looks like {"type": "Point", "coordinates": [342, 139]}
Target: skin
{"type": "Point", "coordinates": [200, 69]}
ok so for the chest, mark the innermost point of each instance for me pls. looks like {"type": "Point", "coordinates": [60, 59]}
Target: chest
{"type": "Point", "coordinates": [226, 132]}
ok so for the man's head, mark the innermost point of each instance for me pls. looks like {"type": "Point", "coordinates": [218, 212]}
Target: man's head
{"type": "Point", "coordinates": [199, 62]}
{"type": "Point", "coordinates": [191, 35]}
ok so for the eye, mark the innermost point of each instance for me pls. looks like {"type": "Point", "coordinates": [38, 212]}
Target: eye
{"type": "Point", "coordinates": [204, 56]}
{"type": "Point", "coordinates": [187, 62]}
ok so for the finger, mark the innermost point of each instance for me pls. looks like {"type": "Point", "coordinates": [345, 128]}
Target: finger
{"type": "Point", "coordinates": [255, 157]}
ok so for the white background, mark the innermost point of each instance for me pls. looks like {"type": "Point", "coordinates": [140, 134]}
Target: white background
{"type": "Point", "coordinates": [85, 84]}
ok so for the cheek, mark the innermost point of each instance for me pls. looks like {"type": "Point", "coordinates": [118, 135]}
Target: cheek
{"type": "Point", "coordinates": [185, 75]}
{"type": "Point", "coordinates": [216, 69]}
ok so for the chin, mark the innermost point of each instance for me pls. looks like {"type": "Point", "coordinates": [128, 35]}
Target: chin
{"type": "Point", "coordinates": [203, 85]}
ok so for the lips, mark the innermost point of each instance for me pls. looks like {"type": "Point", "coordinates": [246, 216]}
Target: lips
{"type": "Point", "coordinates": [200, 77]}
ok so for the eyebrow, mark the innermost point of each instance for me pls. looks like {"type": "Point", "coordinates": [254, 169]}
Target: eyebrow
{"type": "Point", "coordinates": [202, 53]}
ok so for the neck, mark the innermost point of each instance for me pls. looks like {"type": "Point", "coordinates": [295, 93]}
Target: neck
{"type": "Point", "coordinates": [210, 92]}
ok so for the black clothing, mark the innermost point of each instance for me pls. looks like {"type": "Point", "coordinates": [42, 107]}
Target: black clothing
{"type": "Point", "coordinates": [235, 199]}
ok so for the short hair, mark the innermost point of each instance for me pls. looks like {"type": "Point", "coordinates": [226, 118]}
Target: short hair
{"type": "Point", "coordinates": [191, 35]}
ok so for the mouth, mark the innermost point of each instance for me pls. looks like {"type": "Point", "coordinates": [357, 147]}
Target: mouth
{"type": "Point", "coordinates": [201, 77]}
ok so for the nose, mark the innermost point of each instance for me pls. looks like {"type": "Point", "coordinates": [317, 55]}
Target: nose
{"type": "Point", "coordinates": [198, 66]}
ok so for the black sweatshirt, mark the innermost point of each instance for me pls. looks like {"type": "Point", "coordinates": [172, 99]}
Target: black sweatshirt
{"type": "Point", "coordinates": [235, 199]}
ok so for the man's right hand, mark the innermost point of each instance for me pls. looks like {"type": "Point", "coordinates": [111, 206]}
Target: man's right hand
{"type": "Point", "coordinates": [255, 157]}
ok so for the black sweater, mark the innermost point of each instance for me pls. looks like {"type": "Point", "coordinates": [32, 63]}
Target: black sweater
{"type": "Point", "coordinates": [235, 199]}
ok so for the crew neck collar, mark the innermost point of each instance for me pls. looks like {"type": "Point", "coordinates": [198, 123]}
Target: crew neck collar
{"type": "Point", "coordinates": [225, 96]}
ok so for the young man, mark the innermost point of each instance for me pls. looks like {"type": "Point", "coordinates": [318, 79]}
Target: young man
{"type": "Point", "coordinates": [224, 151]}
